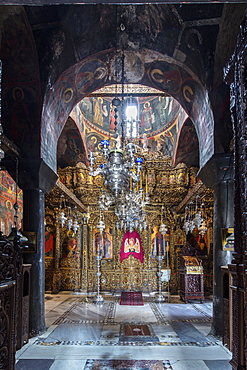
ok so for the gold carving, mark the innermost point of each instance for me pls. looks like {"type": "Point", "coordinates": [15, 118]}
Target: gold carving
{"type": "Point", "coordinates": [167, 185]}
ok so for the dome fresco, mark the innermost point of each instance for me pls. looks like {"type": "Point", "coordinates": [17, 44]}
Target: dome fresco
{"type": "Point", "coordinates": [160, 119]}
{"type": "Point", "coordinates": [156, 114]}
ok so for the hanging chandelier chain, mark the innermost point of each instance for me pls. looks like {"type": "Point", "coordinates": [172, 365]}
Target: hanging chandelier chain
{"type": "Point", "coordinates": [194, 218]}
{"type": "Point", "coordinates": [122, 103]}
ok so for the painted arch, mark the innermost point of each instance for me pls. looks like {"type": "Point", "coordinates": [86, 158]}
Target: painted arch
{"type": "Point", "coordinates": [144, 67]}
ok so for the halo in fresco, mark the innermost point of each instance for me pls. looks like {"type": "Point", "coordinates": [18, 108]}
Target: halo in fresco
{"type": "Point", "coordinates": [133, 67]}
{"type": "Point", "coordinates": [166, 76]}
{"type": "Point", "coordinates": [91, 75]}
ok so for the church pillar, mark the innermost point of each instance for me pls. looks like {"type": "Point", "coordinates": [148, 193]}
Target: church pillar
{"type": "Point", "coordinates": [35, 178]}
{"type": "Point", "coordinates": [218, 174]}
{"type": "Point", "coordinates": [33, 220]}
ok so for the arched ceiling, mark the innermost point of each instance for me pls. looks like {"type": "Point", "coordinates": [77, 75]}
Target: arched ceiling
{"type": "Point", "coordinates": [153, 69]}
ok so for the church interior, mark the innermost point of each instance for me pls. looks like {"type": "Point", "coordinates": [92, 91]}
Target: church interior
{"type": "Point", "coordinates": [123, 185]}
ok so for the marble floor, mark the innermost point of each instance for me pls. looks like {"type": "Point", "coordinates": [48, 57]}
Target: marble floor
{"type": "Point", "coordinates": [78, 331]}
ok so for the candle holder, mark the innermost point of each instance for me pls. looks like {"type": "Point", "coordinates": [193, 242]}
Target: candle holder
{"type": "Point", "coordinates": [98, 299]}
{"type": "Point", "coordinates": [160, 298]}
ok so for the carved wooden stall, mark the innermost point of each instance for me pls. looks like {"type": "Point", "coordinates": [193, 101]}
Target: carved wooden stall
{"type": "Point", "coordinates": [23, 306]}
{"type": "Point", "coordinates": [10, 300]}
{"type": "Point", "coordinates": [226, 309]}
{"type": "Point", "coordinates": [236, 76]}
{"type": "Point", "coordinates": [191, 278]}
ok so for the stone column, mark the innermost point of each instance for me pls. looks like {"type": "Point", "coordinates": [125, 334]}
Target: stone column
{"type": "Point", "coordinates": [35, 178]}
{"type": "Point", "coordinates": [33, 220]}
{"type": "Point", "coordinates": [218, 174]}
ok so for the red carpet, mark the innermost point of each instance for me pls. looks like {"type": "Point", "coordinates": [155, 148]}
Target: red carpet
{"type": "Point", "coordinates": [131, 299]}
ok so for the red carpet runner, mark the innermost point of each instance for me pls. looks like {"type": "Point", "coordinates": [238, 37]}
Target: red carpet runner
{"type": "Point", "coordinates": [131, 299]}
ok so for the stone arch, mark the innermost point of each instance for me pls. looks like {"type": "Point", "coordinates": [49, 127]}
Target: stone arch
{"type": "Point", "coordinates": [145, 67]}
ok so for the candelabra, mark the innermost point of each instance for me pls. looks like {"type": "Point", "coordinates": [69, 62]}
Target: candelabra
{"type": "Point", "coordinates": [101, 226]}
{"type": "Point", "coordinates": [98, 299]}
{"type": "Point", "coordinates": [117, 169]}
{"type": "Point", "coordinates": [67, 218]}
{"type": "Point", "coordinates": [194, 218]}
{"type": "Point", "coordinates": [160, 298]}
{"type": "Point", "coordinates": [130, 211]}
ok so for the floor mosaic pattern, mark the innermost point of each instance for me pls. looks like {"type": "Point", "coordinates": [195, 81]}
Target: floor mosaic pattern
{"type": "Point", "coordinates": [83, 335]}
{"type": "Point", "coordinates": [137, 332]}
{"type": "Point", "coordinates": [127, 364]}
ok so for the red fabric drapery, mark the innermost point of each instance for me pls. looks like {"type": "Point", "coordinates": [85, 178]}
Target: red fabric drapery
{"type": "Point", "coordinates": [132, 244]}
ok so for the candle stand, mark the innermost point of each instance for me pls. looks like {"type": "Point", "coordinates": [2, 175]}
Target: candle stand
{"type": "Point", "coordinates": [160, 298]}
{"type": "Point", "coordinates": [98, 299]}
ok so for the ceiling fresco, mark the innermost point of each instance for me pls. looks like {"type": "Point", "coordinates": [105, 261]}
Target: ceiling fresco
{"type": "Point", "coordinates": [172, 80]}
{"type": "Point", "coordinates": [156, 114]}
{"type": "Point", "coordinates": [164, 128]}
{"type": "Point", "coordinates": [160, 118]}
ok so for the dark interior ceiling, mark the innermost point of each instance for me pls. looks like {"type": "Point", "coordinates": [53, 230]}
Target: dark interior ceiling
{"type": "Point", "coordinates": [65, 34]}
{"type": "Point", "coordinates": [217, 25]}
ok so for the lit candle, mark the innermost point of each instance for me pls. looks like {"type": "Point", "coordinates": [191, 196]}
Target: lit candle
{"type": "Point", "coordinates": [146, 183]}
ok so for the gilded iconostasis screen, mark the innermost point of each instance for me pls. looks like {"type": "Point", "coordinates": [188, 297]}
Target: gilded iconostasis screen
{"type": "Point", "coordinates": [7, 201]}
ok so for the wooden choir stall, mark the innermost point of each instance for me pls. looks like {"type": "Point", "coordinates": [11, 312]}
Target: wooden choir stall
{"type": "Point", "coordinates": [191, 277]}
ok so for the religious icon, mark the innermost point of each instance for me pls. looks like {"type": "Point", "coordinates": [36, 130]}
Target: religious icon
{"type": "Point", "coordinates": [103, 243]}
{"type": "Point", "coordinates": [49, 240]}
{"type": "Point", "coordinates": [199, 242]}
{"type": "Point", "coordinates": [160, 243]}
{"type": "Point", "coordinates": [98, 111]}
{"type": "Point", "coordinates": [113, 120]}
{"type": "Point", "coordinates": [178, 239]}
{"type": "Point", "coordinates": [69, 247]}
{"type": "Point", "coordinates": [147, 117]}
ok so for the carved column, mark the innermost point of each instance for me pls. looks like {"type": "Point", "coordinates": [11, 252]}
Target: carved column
{"type": "Point", "coordinates": [56, 272]}
{"type": "Point", "coordinates": [84, 254]}
{"type": "Point", "coordinates": [218, 174]}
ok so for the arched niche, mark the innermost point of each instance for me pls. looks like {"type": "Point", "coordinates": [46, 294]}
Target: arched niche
{"type": "Point", "coordinates": [187, 146]}
{"type": "Point", "coordinates": [70, 145]}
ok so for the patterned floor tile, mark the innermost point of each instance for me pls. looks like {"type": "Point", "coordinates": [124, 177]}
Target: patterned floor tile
{"type": "Point", "coordinates": [41, 364]}
{"type": "Point", "coordinates": [128, 364]}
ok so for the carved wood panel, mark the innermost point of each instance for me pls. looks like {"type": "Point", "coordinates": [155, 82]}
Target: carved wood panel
{"type": "Point", "coordinates": [236, 74]}
{"type": "Point", "coordinates": [7, 328]}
